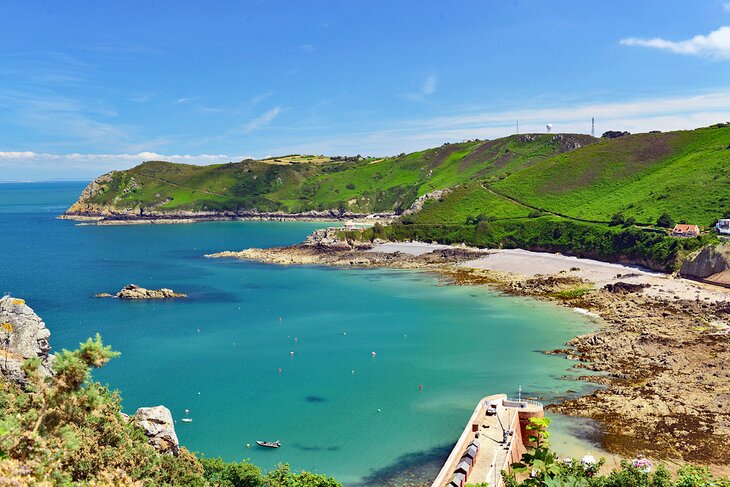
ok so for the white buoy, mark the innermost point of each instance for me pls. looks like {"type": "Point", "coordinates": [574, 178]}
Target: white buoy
{"type": "Point", "coordinates": [374, 354]}
{"type": "Point", "coordinates": [291, 353]}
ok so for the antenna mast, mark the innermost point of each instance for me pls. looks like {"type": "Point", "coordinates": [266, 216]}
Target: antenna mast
{"type": "Point", "coordinates": [518, 126]}
{"type": "Point", "coordinates": [593, 127]}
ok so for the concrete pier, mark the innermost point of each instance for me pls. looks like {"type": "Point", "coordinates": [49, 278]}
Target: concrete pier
{"type": "Point", "coordinates": [501, 439]}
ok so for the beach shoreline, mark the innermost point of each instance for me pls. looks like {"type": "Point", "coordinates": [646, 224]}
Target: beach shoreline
{"type": "Point", "coordinates": [660, 346]}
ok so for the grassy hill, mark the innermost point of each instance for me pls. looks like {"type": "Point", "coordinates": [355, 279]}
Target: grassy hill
{"type": "Point", "coordinates": [302, 183]}
{"type": "Point", "coordinates": [685, 174]}
{"type": "Point", "coordinates": [557, 192]}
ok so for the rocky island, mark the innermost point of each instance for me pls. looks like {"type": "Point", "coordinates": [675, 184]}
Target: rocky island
{"type": "Point", "coordinates": [132, 291]}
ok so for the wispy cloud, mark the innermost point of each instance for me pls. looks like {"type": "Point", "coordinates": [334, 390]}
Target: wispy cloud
{"type": "Point", "coordinates": [427, 89]}
{"type": "Point", "coordinates": [29, 164]}
{"type": "Point", "coordinates": [726, 6]}
{"type": "Point", "coordinates": [641, 115]}
{"type": "Point", "coordinates": [716, 44]}
{"type": "Point", "coordinates": [183, 100]}
{"type": "Point", "coordinates": [307, 47]}
{"type": "Point", "coordinates": [262, 120]}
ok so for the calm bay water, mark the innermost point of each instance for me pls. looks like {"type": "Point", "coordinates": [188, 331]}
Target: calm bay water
{"type": "Point", "coordinates": [336, 408]}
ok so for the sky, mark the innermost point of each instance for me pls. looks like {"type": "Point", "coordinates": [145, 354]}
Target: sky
{"type": "Point", "coordinates": [88, 87]}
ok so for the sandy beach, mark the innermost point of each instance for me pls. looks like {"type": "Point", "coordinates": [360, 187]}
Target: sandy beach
{"type": "Point", "coordinates": [531, 264]}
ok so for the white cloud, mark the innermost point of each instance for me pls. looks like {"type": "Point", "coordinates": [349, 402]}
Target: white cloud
{"type": "Point", "coordinates": [675, 113]}
{"type": "Point", "coordinates": [41, 165]}
{"type": "Point", "coordinates": [183, 100]}
{"type": "Point", "coordinates": [262, 120]}
{"type": "Point", "coordinates": [427, 89]}
{"type": "Point", "coordinates": [638, 115]}
{"type": "Point", "coordinates": [726, 6]}
{"type": "Point", "coordinates": [429, 86]}
{"type": "Point", "coordinates": [716, 44]}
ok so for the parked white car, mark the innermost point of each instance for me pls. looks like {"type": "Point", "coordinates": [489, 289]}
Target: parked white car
{"type": "Point", "coordinates": [723, 226]}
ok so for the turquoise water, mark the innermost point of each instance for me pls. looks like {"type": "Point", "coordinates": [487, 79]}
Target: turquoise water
{"type": "Point", "coordinates": [335, 407]}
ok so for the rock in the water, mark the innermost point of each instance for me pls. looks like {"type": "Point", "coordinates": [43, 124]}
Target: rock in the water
{"type": "Point", "coordinates": [159, 428]}
{"type": "Point", "coordinates": [23, 335]}
{"type": "Point", "coordinates": [132, 291]}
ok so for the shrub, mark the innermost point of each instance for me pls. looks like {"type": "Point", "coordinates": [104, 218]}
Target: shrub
{"type": "Point", "coordinates": [617, 219]}
{"type": "Point", "coordinates": [350, 186]}
{"type": "Point", "coordinates": [665, 221]}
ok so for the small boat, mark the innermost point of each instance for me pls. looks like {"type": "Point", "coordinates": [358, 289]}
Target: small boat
{"type": "Point", "coordinates": [269, 444]}
{"type": "Point", "coordinates": [187, 420]}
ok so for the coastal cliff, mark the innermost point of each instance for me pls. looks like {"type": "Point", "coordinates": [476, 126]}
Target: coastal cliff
{"type": "Point", "coordinates": [711, 264]}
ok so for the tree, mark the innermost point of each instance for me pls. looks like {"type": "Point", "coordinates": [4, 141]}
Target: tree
{"type": "Point", "coordinates": [222, 474]}
{"type": "Point", "coordinates": [665, 221]}
{"type": "Point", "coordinates": [617, 219]}
{"type": "Point", "coordinates": [282, 476]}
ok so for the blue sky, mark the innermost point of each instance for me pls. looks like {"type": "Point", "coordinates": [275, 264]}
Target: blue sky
{"type": "Point", "coordinates": [86, 87]}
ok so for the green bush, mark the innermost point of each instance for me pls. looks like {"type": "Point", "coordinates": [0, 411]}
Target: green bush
{"type": "Point", "coordinates": [665, 221]}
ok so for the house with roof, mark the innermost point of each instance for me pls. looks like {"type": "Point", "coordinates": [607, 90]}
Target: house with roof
{"type": "Point", "coordinates": [684, 230]}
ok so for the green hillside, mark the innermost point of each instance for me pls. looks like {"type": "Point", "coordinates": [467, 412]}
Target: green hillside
{"type": "Point", "coordinates": [684, 174]}
{"type": "Point", "coordinates": [555, 192]}
{"type": "Point", "coordinates": [296, 184]}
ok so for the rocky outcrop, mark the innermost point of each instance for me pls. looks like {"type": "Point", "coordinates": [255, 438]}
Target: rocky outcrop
{"type": "Point", "coordinates": [23, 335]}
{"type": "Point", "coordinates": [421, 200]}
{"type": "Point", "coordinates": [157, 424]}
{"type": "Point", "coordinates": [132, 291]}
{"type": "Point", "coordinates": [711, 264]}
{"type": "Point", "coordinates": [331, 238]}
{"type": "Point", "coordinates": [94, 188]}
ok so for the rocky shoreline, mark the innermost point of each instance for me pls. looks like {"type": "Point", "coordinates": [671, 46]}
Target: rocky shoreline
{"type": "Point", "coordinates": [663, 358]}
{"type": "Point", "coordinates": [105, 216]}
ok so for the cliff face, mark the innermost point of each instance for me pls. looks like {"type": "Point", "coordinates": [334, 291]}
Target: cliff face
{"type": "Point", "coordinates": [82, 206]}
{"type": "Point", "coordinates": [711, 264]}
{"type": "Point", "coordinates": [23, 335]}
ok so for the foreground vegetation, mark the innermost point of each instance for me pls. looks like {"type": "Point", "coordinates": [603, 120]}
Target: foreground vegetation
{"type": "Point", "coordinates": [68, 429]}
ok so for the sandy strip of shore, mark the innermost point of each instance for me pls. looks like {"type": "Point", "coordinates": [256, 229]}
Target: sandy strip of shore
{"type": "Point", "coordinates": [531, 264]}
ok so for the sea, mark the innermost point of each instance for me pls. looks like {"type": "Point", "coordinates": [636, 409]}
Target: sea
{"type": "Point", "coordinates": [368, 375]}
